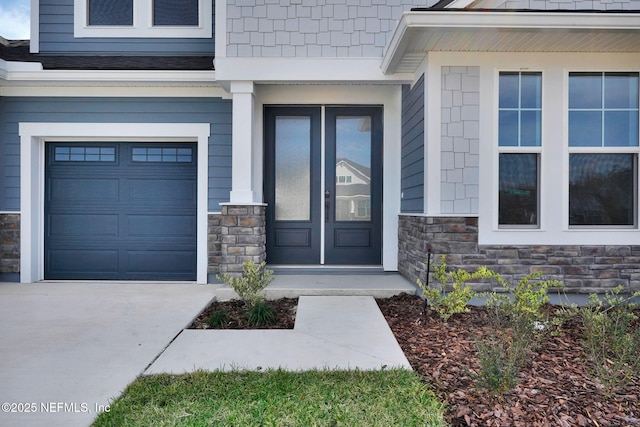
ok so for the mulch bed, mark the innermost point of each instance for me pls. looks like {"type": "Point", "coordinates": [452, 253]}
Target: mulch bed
{"type": "Point", "coordinates": [284, 309]}
{"type": "Point", "coordinates": [554, 388]}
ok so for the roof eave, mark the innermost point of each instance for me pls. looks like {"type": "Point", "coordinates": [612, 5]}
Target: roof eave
{"type": "Point", "coordinates": [499, 24]}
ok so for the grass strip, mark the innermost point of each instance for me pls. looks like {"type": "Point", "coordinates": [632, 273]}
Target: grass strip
{"type": "Point", "coordinates": [394, 397]}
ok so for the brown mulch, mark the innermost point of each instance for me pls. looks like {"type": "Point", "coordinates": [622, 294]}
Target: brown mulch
{"type": "Point", "coordinates": [554, 387]}
{"type": "Point", "coordinates": [284, 309]}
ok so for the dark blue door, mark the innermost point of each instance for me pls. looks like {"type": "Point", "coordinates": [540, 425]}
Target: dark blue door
{"type": "Point", "coordinates": [120, 211]}
{"type": "Point", "coordinates": [324, 197]}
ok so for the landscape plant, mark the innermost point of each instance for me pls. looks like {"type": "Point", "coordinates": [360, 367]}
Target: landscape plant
{"type": "Point", "coordinates": [517, 323]}
{"type": "Point", "coordinates": [447, 302]}
{"type": "Point", "coordinates": [250, 287]}
{"type": "Point", "coordinates": [611, 337]}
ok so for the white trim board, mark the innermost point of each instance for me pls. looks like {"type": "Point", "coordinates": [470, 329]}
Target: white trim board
{"type": "Point", "coordinates": [32, 160]}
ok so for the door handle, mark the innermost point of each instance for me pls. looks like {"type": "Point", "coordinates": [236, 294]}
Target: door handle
{"type": "Point", "coordinates": [327, 205]}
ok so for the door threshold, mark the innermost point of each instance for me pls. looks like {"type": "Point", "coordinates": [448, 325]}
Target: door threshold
{"type": "Point", "coordinates": [325, 269]}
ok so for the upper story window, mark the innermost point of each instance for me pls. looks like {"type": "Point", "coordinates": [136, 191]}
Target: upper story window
{"type": "Point", "coordinates": [519, 147]}
{"type": "Point", "coordinates": [603, 149]}
{"type": "Point", "coordinates": [143, 18]}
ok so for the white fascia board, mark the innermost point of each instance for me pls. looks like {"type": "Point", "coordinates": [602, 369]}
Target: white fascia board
{"type": "Point", "coordinates": [85, 76]}
{"type": "Point", "coordinates": [300, 70]}
{"type": "Point", "coordinates": [121, 91]}
{"type": "Point", "coordinates": [413, 23]}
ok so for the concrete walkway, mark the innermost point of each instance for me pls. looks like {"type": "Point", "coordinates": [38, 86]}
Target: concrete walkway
{"type": "Point", "coordinates": [67, 349]}
{"type": "Point", "coordinates": [331, 332]}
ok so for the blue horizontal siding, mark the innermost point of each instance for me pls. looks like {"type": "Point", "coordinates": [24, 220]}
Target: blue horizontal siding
{"type": "Point", "coordinates": [215, 111]}
{"type": "Point", "coordinates": [56, 37]}
{"type": "Point", "coordinates": [412, 153]}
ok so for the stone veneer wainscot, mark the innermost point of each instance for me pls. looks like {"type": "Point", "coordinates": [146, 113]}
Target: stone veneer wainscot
{"type": "Point", "coordinates": [582, 268]}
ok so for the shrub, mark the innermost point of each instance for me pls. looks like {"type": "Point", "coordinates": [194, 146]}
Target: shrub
{"type": "Point", "coordinates": [250, 288]}
{"type": "Point", "coordinates": [610, 340]}
{"type": "Point", "coordinates": [251, 285]}
{"type": "Point", "coordinates": [261, 314]}
{"type": "Point", "coordinates": [218, 319]}
{"type": "Point", "coordinates": [447, 303]}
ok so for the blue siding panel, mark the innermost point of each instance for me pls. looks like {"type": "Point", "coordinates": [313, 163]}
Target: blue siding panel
{"type": "Point", "coordinates": [56, 37]}
{"type": "Point", "coordinates": [126, 110]}
{"type": "Point", "coordinates": [412, 155]}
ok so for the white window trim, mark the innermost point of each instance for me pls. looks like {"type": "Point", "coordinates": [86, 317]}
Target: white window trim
{"type": "Point", "coordinates": [142, 23]}
{"type": "Point", "coordinates": [33, 137]}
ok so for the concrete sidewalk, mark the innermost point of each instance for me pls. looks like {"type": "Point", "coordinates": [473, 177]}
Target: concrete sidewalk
{"type": "Point", "coordinates": [331, 332]}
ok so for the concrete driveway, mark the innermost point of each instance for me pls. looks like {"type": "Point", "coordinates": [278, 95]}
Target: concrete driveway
{"type": "Point", "coordinates": [66, 349]}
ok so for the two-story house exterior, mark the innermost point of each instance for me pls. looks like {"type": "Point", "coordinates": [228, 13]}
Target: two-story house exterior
{"type": "Point", "coordinates": [157, 140]}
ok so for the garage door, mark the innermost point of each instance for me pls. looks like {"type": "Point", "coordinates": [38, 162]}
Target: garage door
{"type": "Point", "coordinates": [120, 211]}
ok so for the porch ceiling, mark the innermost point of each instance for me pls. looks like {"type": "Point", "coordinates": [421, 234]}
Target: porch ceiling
{"type": "Point", "coordinates": [420, 32]}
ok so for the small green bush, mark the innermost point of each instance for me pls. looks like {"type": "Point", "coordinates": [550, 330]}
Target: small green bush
{"type": "Point", "coordinates": [218, 319]}
{"type": "Point", "coordinates": [251, 285]}
{"type": "Point", "coordinates": [610, 340]}
{"type": "Point", "coordinates": [261, 314]}
{"type": "Point", "coordinates": [447, 303]}
{"type": "Point", "coordinates": [499, 364]}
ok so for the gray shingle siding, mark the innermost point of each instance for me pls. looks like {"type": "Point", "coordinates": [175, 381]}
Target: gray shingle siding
{"type": "Point", "coordinates": [338, 28]}
{"type": "Point", "coordinates": [216, 111]}
{"type": "Point", "coordinates": [56, 37]}
{"type": "Point", "coordinates": [460, 140]}
{"type": "Point", "coordinates": [412, 162]}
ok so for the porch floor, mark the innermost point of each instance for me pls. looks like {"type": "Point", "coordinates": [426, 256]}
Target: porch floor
{"type": "Point", "coordinates": [290, 285]}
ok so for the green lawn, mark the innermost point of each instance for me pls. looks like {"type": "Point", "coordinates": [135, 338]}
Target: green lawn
{"type": "Point", "coordinates": [277, 398]}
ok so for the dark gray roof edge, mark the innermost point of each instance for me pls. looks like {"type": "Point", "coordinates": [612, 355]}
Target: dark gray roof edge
{"type": "Point", "coordinates": [441, 6]}
{"type": "Point", "coordinates": [18, 51]}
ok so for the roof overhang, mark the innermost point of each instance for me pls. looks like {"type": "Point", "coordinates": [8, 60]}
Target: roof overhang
{"type": "Point", "coordinates": [424, 31]}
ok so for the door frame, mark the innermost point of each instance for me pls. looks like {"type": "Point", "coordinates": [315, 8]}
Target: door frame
{"type": "Point", "coordinates": [389, 96]}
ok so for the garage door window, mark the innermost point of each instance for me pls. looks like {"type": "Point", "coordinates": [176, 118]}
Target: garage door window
{"type": "Point", "coordinates": [85, 154]}
{"type": "Point", "coordinates": [165, 155]}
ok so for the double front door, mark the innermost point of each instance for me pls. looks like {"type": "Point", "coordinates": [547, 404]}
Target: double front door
{"type": "Point", "coordinates": [323, 185]}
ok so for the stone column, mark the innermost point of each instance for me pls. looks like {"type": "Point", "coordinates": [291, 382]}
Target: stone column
{"type": "Point", "coordinates": [243, 236]}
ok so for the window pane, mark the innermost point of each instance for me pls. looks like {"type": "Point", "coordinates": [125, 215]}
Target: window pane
{"type": "Point", "coordinates": [110, 12]}
{"type": "Point", "coordinates": [518, 189]}
{"type": "Point", "coordinates": [585, 129]}
{"type": "Point", "coordinates": [621, 90]}
{"type": "Point", "coordinates": [509, 92]}
{"type": "Point", "coordinates": [585, 90]}
{"type": "Point", "coordinates": [601, 189]}
{"type": "Point", "coordinates": [508, 129]}
{"type": "Point", "coordinates": [293, 168]}
{"type": "Point", "coordinates": [175, 12]}
{"type": "Point", "coordinates": [353, 162]}
{"type": "Point", "coordinates": [530, 126]}
{"type": "Point", "coordinates": [531, 90]}
{"type": "Point", "coordinates": [621, 128]}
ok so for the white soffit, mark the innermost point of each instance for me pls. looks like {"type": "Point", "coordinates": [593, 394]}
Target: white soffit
{"type": "Point", "coordinates": [420, 32]}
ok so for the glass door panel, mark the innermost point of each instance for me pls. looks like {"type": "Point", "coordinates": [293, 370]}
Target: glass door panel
{"type": "Point", "coordinates": [353, 168]}
{"type": "Point", "coordinates": [293, 168]}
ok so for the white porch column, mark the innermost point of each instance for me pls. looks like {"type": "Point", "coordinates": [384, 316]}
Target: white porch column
{"type": "Point", "coordinates": [242, 152]}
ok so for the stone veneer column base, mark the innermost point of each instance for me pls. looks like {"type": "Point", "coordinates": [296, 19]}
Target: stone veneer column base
{"type": "Point", "coordinates": [237, 235]}
{"type": "Point", "coordinates": [582, 268]}
{"type": "Point", "coordinates": [10, 247]}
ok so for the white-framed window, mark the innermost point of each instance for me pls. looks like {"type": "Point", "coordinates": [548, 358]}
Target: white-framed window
{"type": "Point", "coordinates": [143, 18]}
{"type": "Point", "coordinates": [603, 149]}
{"type": "Point", "coordinates": [519, 148]}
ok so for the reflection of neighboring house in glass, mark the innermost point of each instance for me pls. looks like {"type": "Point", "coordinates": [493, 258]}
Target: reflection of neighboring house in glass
{"type": "Point", "coordinates": [353, 191]}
